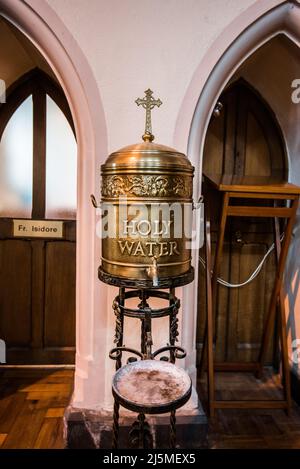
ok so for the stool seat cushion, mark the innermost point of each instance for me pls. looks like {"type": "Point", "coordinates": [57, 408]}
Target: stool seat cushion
{"type": "Point", "coordinates": [151, 385]}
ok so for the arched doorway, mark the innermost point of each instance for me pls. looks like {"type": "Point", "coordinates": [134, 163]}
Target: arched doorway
{"type": "Point", "coordinates": [243, 139]}
{"type": "Point", "coordinates": [72, 70]}
{"type": "Point", "coordinates": [38, 165]}
{"type": "Point", "coordinates": [255, 27]}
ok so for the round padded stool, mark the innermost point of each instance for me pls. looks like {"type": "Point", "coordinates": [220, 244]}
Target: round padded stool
{"type": "Point", "coordinates": [150, 387]}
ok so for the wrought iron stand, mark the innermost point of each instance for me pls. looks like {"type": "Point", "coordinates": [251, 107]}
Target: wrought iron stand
{"type": "Point", "coordinates": [140, 434]}
{"type": "Point", "coordinates": [145, 314]}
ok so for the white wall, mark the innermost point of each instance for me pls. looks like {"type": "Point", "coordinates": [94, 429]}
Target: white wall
{"type": "Point", "coordinates": [135, 44]}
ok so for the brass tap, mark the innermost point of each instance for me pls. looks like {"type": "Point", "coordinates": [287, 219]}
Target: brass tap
{"type": "Point", "coordinates": [152, 272]}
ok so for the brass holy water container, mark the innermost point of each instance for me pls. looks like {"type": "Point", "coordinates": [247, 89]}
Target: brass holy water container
{"type": "Point", "coordinates": [148, 188]}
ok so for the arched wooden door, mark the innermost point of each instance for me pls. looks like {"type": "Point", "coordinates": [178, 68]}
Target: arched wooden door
{"type": "Point", "coordinates": [37, 175]}
{"type": "Point", "coordinates": [244, 139]}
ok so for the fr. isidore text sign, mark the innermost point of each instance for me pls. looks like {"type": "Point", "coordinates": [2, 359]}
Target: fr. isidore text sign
{"type": "Point", "coordinates": [37, 229]}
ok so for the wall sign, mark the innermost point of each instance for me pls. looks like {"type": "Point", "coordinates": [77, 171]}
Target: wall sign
{"type": "Point", "coordinates": [38, 229]}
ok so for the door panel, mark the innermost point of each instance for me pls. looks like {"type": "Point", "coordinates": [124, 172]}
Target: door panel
{"type": "Point", "coordinates": [37, 297]}
{"type": "Point", "coordinates": [257, 153]}
{"type": "Point", "coordinates": [59, 328]}
{"type": "Point", "coordinates": [15, 308]}
{"type": "Point", "coordinates": [37, 276]}
{"type": "Point", "coordinates": [246, 128]}
{"type": "Point", "coordinates": [248, 303]}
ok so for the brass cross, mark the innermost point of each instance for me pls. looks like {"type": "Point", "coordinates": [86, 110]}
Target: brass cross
{"type": "Point", "coordinates": [148, 103]}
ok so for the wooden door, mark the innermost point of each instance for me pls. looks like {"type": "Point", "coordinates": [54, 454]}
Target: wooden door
{"type": "Point", "coordinates": [244, 140]}
{"type": "Point", "coordinates": [37, 276]}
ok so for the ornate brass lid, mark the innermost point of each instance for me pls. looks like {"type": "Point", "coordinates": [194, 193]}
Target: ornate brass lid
{"type": "Point", "coordinates": [147, 155]}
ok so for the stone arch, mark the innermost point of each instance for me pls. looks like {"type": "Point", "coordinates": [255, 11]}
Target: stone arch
{"type": "Point", "coordinates": [243, 37]}
{"type": "Point", "coordinates": [47, 32]}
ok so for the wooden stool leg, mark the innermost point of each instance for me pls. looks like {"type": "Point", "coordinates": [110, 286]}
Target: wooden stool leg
{"type": "Point", "coordinates": [203, 352]}
{"type": "Point", "coordinates": [217, 261]}
{"type": "Point", "coordinates": [282, 331]}
{"type": "Point", "coordinates": [276, 290]}
{"type": "Point", "coordinates": [209, 323]}
{"type": "Point", "coordinates": [219, 251]}
{"type": "Point", "coordinates": [211, 299]}
{"type": "Point", "coordinates": [285, 357]}
{"type": "Point", "coordinates": [207, 245]}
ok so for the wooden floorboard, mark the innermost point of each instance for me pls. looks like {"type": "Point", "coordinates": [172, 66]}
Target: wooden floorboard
{"type": "Point", "coordinates": [10, 407]}
{"type": "Point", "coordinates": [32, 405]}
{"type": "Point", "coordinates": [50, 434]}
{"type": "Point", "coordinates": [2, 438]}
{"type": "Point", "coordinates": [255, 428]}
{"type": "Point", "coordinates": [26, 427]}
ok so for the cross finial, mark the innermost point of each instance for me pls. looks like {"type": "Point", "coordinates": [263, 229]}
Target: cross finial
{"type": "Point", "coordinates": [148, 103]}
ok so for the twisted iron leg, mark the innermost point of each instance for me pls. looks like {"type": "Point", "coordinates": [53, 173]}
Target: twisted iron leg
{"type": "Point", "coordinates": [118, 340]}
{"type": "Point", "coordinates": [141, 420]}
{"type": "Point", "coordinates": [116, 425]}
{"type": "Point", "coordinates": [143, 296]}
{"type": "Point", "coordinates": [173, 429]}
{"type": "Point", "coordinates": [173, 324]}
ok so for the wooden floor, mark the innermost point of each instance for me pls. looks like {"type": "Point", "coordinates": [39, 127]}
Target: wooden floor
{"type": "Point", "coordinates": [32, 403]}
{"type": "Point", "coordinates": [255, 429]}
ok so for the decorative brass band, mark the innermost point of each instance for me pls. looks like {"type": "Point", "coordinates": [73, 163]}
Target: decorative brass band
{"type": "Point", "coordinates": [127, 264]}
{"type": "Point", "coordinates": [146, 186]}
